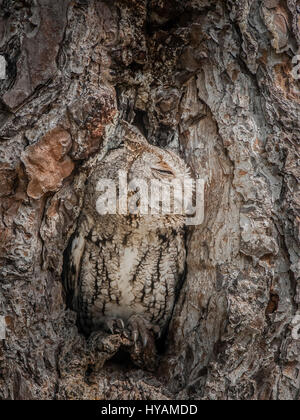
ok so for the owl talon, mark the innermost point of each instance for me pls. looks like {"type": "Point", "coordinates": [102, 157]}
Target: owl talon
{"type": "Point", "coordinates": [120, 324]}
{"type": "Point", "coordinates": [145, 341]}
{"type": "Point", "coordinates": [114, 325]}
{"type": "Point", "coordinates": [158, 331]}
{"type": "Point", "coordinates": [135, 337]}
{"type": "Point", "coordinates": [126, 334]}
{"type": "Point", "coordinates": [140, 328]}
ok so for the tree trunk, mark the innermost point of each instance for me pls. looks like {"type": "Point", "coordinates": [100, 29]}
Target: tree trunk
{"type": "Point", "coordinates": [215, 80]}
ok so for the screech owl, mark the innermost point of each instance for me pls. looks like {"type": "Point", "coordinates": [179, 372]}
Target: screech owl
{"type": "Point", "coordinates": [123, 269]}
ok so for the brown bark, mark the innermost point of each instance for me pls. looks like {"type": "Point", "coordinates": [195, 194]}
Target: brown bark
{"type": "Point", "coordinates": [213, 80]}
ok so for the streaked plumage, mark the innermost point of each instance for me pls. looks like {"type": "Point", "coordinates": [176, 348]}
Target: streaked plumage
{"type": "Point", "coordinates": [120, 266]}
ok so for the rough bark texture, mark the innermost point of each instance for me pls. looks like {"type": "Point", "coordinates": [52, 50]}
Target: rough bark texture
{"type": "Point", "coordinates": [211, 79]}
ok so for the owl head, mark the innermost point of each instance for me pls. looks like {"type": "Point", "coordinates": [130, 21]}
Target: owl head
{"type": "Point", "coordinates": [141, 181]}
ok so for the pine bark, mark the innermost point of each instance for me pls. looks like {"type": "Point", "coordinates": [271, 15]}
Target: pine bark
{"type": "Point", "coordinates": [215, 80]}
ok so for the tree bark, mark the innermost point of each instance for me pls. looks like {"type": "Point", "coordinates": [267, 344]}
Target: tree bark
{"type": "Point", "coordinates": [215, 81]}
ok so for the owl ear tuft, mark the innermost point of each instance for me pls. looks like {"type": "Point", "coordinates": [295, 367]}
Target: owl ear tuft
{"type": "Point", "coordinates": [131, 136]}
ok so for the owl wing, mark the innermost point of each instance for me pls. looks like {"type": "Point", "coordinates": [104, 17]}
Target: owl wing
{"type": "Point", "coordinates": [74, 261]}
{"type": "Point", "coordinates": [72, 270]}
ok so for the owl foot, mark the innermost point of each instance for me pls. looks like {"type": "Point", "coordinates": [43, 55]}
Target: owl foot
{"type": "Point", "coordinates": [141, 329]}
{"type": "Point", "coordinates": [115, 325]}
{"type": "Point", "coordinates": [142, 334]}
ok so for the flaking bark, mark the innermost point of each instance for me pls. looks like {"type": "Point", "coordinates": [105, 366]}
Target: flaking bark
{"type": "Point", "coordinates": [214, 81]}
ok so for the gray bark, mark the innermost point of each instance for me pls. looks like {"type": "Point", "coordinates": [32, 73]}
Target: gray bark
{"type": "Point", "coordinates": [213, 80]}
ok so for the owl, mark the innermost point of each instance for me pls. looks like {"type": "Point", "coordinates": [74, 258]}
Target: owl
{"type": "Point", "coordinates": [124, 264]}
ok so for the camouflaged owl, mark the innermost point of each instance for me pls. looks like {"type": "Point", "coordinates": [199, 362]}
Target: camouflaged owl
{"type": "Point", "coordinates": [123, 270]}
